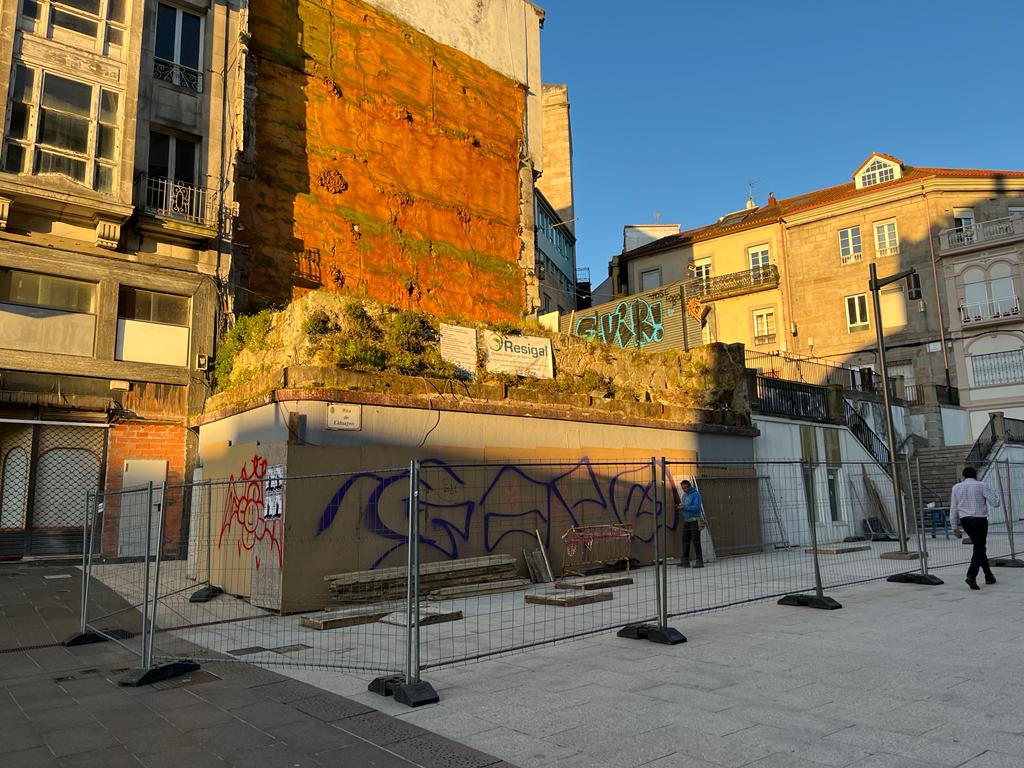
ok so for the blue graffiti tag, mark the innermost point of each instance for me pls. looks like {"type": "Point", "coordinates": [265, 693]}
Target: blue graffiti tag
{"type": "Point", "coordinates": [634, 323]}
{"type": "Point", "coordinates": [509, 502]}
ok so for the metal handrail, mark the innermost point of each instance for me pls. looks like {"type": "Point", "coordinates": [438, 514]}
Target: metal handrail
{"type": "Point", "coordinates": [179, 200]}
{"type": "Point", "coordinates": [981, 231]}
{"type": "Point", "coordinates": [865, 434]}
{"type": "Point", "coordinates": [978, 455]}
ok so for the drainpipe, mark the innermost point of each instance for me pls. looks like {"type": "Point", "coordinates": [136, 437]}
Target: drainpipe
{"type": "Point", "coordinates": [938, 297]}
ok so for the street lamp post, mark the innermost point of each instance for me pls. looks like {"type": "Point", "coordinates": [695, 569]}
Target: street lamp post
{"type": "Point", "coordinates": [876, 284]}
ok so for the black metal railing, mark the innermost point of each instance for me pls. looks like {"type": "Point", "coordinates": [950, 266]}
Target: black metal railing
{"type": "Point", "coordinates": [1014, 430]}
{"type": "Point", "coordinates": [982, 447]}
{"type": "Point", "coordinates": [867, 437]}
{"type": "Point", "coordinates": [998, 368]}
{"type": "Point", "coordinates": [733, 284]}
{"type": "Point", "coordinates": [810, 371]}
{"type": "Point", "coordinates": [179, 200]}
{"type": "Point", "coordinates": [918, 394]}
{"type": "Point", "coordinates": [778, 397]}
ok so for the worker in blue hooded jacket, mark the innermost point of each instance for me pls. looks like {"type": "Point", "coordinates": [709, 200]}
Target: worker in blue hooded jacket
{"type": "Point", "coordinates": [693, 518]}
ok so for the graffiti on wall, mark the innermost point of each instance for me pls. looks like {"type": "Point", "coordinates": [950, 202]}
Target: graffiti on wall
{"type": "Point", "coordinates": [469, 508]}
{"type": "Point", "coordinates": [245, 509]}
{"type": "Point", "coordinates": [633, 323]}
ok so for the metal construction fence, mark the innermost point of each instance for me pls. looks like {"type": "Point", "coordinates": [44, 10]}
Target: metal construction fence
{"type": "Point", "coordinates": [317, 572]}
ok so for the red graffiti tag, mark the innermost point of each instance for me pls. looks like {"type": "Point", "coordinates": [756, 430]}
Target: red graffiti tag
{"type": "Point", "coordinates": [245, 507]}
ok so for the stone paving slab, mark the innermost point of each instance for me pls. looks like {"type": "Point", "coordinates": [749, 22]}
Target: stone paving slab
{"type": "Point", "coordinates": [63, 707]}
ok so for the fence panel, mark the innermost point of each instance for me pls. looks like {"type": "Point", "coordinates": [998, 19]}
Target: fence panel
{"type": "Point", "coordinates": [118, 582]}
{"type": "Point", "coordinates": [584, 529]}
{"type": "Point", "coordinates": [252, 585]}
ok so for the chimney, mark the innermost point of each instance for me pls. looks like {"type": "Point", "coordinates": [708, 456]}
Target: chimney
{"type": "Point", "coordinates": [772, 202]}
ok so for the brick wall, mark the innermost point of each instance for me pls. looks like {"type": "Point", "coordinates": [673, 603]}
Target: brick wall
{"type": "Point", "coordinates": [163, 442]}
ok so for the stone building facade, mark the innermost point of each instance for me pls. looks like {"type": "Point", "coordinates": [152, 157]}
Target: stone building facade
{"type": "Point", "coordinates": [120, 120]}
{"type": "Point", "coordinates": [959, 229]}
{"type": "Point", "coordinates": [393, 153]}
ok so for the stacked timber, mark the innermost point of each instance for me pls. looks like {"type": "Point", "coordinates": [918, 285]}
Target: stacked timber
{"type": "Point", "coordinates": [449, 580]}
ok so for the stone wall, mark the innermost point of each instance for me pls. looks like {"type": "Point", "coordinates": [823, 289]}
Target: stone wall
{"type": "Point", "coordinates": [383, 164]}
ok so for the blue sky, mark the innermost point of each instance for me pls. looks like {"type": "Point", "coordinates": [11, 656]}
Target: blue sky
{"type": "Point", "coordinates": [676, 105]}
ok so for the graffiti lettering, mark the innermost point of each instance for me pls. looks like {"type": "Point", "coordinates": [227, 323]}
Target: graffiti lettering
{"type": "Point", "coordinates": [634, 323]}
{"type": "Point", "coordinates": [245, 512]}
{"type": "Point", "coordinates": [489, 504]}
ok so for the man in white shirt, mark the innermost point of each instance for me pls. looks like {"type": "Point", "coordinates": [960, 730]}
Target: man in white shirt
{"type": "Point", "coordinates": [968, 507]}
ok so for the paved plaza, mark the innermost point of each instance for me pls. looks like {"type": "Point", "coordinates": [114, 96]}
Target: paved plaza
{"type": "Point", "coordinates": [904, 676]}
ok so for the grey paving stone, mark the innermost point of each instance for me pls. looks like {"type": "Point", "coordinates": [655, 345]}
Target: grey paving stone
{"type": "Point", "coordinates": [167, 700]}
{"type": "Point", "coordinates": [286, 691]}
{"type": "Point", "coordinates": [433, 751]}
{"type": "Point", "coordinates": [148, 739]}
{"type": "Point", "coordinates": [230, 738]}
{"type": "Point", "coordinates": [329, 707]}
{"type": "Point", "coordinates": [380, 729]}
{"type": "Point", "coordinates": [994, 760]}
{"type": "Point", "coordinates": [61, 719]}
{"type": "Point", "coordinates": [311, 736]}
{"type": "Point", "coordinates": [362, 755]}
{"type": "Point", "coordinates": [70, 741]}
{"type": "Point", "coordinates": [199, 716]}
{"type": "Point", "coordinates": [265, 714]}
{"type": "Point", "coordinates": [37, 757]}
{"type": "Point", "coordinates": [17, 736]}
{"type": "Point", "coordinates": [273, 756]}
{"type": "Point", "coordinates": [190, 757]}
{"type": "Point", "coordinates": [113, 757]}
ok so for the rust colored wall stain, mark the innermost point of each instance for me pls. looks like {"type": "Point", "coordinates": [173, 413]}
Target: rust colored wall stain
{"type": "Point", "coordinates": [391, 161]}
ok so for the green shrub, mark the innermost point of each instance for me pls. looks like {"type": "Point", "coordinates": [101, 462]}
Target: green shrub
{"type": "Point", "coordinates": [248, 330]}
{"type": "Point", "coordinates": [317, 323]}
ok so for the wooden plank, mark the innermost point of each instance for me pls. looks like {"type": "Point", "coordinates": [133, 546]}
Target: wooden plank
{"type": "Point", "coordinates": [531, 566]}
{"type": "Point", "coordinates": [836, 550]}
{"type": "Point", "coordinates": [594, 582]}
{"type": "Point", "coordinates": [569, 598]}
{"type": "Point", "coordinates": [427, 616]}
{"type": "Point", "coordinates": [448, 566]}
{"type": "Point", "coordinates": [473, 590]}
{"type": "Point", "coordinates": [347, 617]}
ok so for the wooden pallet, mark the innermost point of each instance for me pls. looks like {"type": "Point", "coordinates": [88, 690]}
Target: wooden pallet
{"type": "Point", "coordinates": [390, 583]}
{"type": "Point", "coordinates": [594, 582]}
{"type": "Point", "coordinates": [569, 598]}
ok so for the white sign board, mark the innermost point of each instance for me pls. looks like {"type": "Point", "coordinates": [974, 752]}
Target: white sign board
{"type": "Point", "coordinates": [458, 347]}
{"type": "Point", "coordinates": [521, 355]}
{"type": "Point", "coordinates": [345, 416]}
{"type": "Point", "coordinates": [273, 492]}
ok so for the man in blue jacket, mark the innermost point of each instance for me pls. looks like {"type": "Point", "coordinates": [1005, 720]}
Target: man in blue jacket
{"type": "Point", "coordinates": [693, 514]}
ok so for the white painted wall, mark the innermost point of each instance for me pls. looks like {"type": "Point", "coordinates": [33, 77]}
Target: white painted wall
{"type": "Point", "coordinates": [144, 342]}
{"type": "Point", "coordinates": [779, 441]}
{"type": "Point", "coordinates": [36, 329]}
{"type": "Point", "coordinates": [956, 427]}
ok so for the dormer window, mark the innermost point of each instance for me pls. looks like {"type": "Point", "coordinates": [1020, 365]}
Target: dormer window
{"type": "Point", "coordinates": [877, 170]}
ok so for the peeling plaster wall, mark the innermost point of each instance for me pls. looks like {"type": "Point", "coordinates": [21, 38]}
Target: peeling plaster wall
{"type": "Point", "coordinates": [382, 163]}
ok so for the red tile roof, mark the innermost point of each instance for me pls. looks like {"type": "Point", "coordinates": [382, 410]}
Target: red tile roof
{"type": "Point", "coordinates": [769, 214]}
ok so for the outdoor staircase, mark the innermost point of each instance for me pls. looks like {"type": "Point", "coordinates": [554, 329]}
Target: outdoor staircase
{"type": "Point", "coordinates": [940, 471]}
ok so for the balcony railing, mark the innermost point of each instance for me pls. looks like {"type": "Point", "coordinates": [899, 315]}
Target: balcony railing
{"type": "Point", "coordinates": [981, 232]}
{"type": "Point", "coordinates": [793, 368]}
{"type": "Point", "coordinates": [777, 397]}
{"type": "Point", "coordinates": [998, 368]}
{"type": "Point", "coordinates": [851, 258]}
{"type": "Point", "coordinates": [887, 250]}
{"type": "Point", "coordinates": [990, 311]}
{"type": "Point", "coordinates": [733, 284]}
{"type": "Point", "coordinates": [176, 74]}
{"type": "Point", "coordinates": [768, 338]}
{"type": "Point", "coordinates": [920, 394]}
{"type": "Point", "coordinates": [180, 201]}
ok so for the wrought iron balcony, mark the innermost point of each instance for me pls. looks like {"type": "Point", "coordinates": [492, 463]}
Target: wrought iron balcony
{"type": "Point", "coordinates": [176, 74]}
{"type": "Point", "coordinates": [998, 368]}
{"type": "Point", "coordinates": [997, 310]}
{"type": "Point", "coordinates": [733, 284]}
{"type": "Point", "coordinates": [180, 201]}
{"type": "Point", "coordinates": [981, 232]}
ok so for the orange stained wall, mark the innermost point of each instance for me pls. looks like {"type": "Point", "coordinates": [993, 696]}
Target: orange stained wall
{"type": "Point", "coordinates": [384, 164]}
